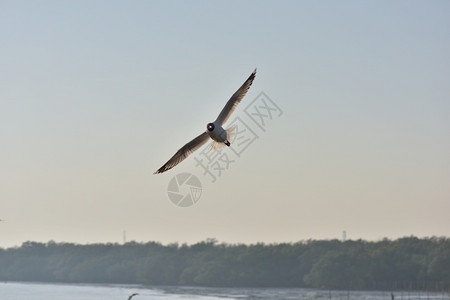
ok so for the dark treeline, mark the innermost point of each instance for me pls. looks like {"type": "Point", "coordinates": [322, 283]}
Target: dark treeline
{"type": "Point", "coordinates": [406, 263]}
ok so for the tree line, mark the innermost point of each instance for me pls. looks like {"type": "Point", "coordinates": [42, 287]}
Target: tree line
{"type": "Point", "coordinates": [407, 262]}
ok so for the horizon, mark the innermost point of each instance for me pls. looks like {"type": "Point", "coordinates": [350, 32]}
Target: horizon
{"type": "Point", "coordinates": [216, 242]}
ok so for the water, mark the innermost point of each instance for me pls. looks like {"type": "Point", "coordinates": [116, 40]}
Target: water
{"type": "Point", "coordinates": [44, 291]}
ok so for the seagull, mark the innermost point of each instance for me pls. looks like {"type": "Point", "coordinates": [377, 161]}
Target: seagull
{"type": "Point", "coordinates": [213, 130]}
{"type": "Point", "coordinates": [132, 295]}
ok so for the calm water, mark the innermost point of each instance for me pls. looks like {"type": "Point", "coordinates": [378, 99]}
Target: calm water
{"type": "Point", "coordinates": [43, 291]}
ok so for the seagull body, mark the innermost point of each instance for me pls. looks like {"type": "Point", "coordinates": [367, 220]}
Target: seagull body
{"type": "Point", "coordinates": [214, 130]}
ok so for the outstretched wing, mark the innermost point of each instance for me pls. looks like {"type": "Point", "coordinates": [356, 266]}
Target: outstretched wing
{"type": "Point", "coordinates": [184, 152]}
{"type": "Point", "coordinates": [132, 295]}
{"type": "Point", "coordinates": [234, 100]}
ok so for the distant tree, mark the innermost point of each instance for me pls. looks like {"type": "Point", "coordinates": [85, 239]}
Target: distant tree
{"type": "Point", "coordinates": [321, 264]}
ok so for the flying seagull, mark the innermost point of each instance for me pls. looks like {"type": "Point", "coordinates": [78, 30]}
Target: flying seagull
{"type": "Point", "coordinates": [132, 295]}
{"type": "Point", "coordinates": [214, 130]}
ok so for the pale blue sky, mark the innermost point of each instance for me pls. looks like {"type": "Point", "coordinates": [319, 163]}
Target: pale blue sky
{"type": "Point", "coordinates": [95, 96]}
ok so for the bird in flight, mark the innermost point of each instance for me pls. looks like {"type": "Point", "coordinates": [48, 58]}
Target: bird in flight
{"type": "Point", "coordinates": [214, 130]}
{"type": "Point", "coordinates": [132, 295]}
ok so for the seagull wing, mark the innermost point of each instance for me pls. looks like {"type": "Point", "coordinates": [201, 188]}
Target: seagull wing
{"type": "Point", "coordinates": [234, 100]}
{"type": "Point", "coordinates": [132, 295]}
{"type": "Point", "coordinates": [184, 152]}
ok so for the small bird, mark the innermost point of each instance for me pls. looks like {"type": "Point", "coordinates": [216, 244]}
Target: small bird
{"type": "Point", "coordinates": [132, 295]}
{"type": "Point", "coordinates": [214, 130]}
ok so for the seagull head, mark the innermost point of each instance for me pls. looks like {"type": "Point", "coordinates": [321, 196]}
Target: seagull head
{"type": "Point", "coordinates": [210, 127]}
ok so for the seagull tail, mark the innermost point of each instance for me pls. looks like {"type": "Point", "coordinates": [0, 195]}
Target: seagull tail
{"type": "Point", "coordinates": [231, 133]}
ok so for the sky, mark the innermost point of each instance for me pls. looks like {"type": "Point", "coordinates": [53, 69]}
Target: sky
{"type": "Point", "coordinates": [95, 96]}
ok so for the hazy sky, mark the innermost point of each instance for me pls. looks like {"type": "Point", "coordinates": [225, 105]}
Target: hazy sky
{"type": "Point", "coordinates": [97, 95]}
